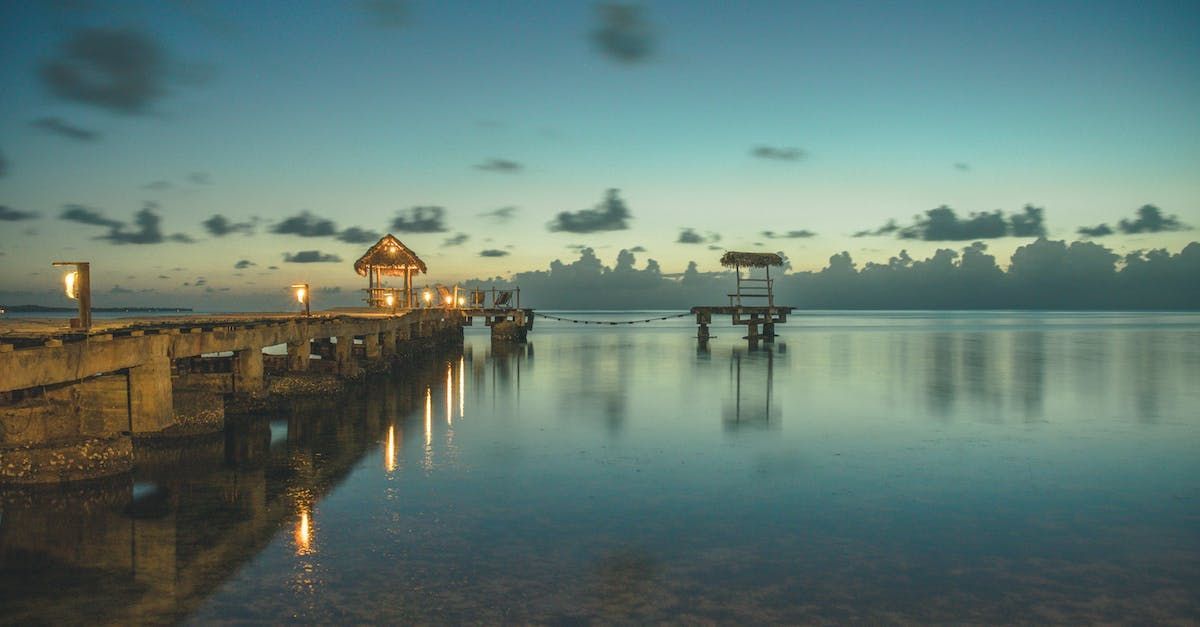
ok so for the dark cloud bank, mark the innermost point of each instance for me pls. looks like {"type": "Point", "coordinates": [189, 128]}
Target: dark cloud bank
{"type": "Point", "coordinates": [146, 228]}
{"type": "Point", "coordinates": [1044, 274]}
{"type": "Point", "coordinates": [121, 70]}
{"type": "Point", "coordinates": [623, 34]}
{"type": "Point", "coordinates": [1150, 219]}
{"type": "Point", "coordinates": [943, 225]}
{"type": "Point", "coordinates": [610, 215]}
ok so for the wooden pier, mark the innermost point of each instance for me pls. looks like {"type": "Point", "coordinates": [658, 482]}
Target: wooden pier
{"type": "Point", "coordinates": [759, 321]}
{"type": "Point", "coordinates": [752, 304]}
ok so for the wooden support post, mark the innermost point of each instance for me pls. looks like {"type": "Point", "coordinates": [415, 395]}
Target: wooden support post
{"type": "Point", "coordinates": [298, 355]}
{"type": "Point", "coordinates": [769, 332]}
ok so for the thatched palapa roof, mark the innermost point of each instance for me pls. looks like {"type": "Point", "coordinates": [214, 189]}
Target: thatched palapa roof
{"type": "Point", "coordinates": [390, 257]}
{"type": "Point", "coordinates": [734, 259]}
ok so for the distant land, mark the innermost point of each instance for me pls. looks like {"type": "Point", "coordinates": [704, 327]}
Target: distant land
{"type": "Point", "coordinates": [40, 308]}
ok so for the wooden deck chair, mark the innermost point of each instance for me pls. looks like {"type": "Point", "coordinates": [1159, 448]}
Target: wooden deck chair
{"type": "Point", "coordinates": [503, 299]}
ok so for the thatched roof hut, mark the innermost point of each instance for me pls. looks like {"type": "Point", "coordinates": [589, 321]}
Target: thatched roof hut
{"type": "Point", "coordinates": [734, 259]}
{"type": "Point", "coordinates": [389, 257]}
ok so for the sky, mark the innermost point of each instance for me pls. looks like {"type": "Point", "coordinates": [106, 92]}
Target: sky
{"type": "Point", "coordinates": [215, 152]}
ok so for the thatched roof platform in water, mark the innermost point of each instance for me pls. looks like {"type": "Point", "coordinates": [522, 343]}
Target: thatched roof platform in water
{"type": "Point", "coordinates": [735, 259]}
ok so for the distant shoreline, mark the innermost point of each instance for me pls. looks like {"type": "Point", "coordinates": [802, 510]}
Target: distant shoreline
{"type": "Point", "coordinates": [44, 309]}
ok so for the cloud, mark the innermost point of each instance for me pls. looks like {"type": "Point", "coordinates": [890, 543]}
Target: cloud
{"type": "Point", "coordinates": [420, 220]}
{"type": "Point", "coordinates": [493, 252]}
{"type": "Point", "coordinates": [356, 235]}
{"type": "Point", "coordinates": [305, 225]}
{"type": "Point", "coordinates": [801, 234]}
{"type": "Point", "coordinates": [689, 235]}
{"type": "Point", "coordinates": [158, 186]}
{"type": "Point", "coordinates": [503, 214]}
{"type": "Point", "coordinates": [121, 70]}
{"type": "Point", "coordinates": [148, 231]}
{"type": "Point", "coordinates": [962, 167]}
{"type": "Point", "coordinates": [199, 178]}
{"type": "Point", "coordinates": [87, 215]}
{"type": "Point", "coordinates": [623, 35]}
{"type": "Point", "coordinates": [220, 226]}
{"type": "Point", "coordinates": [243, 264]}
{"type": "Point", "coordinates": [62, 128]}
{"type": "Point", "coordinates": [610, 215]}
{"type": "Point", "coordinates": [638, 249]}
{"type": "Point", "coordinates": [500, 165]}
{"type": "Point", "coordinates": [1028, 223]}
{"type": "Point", "coordinates": [117, 289]}
{"type": "Point", "coordinates": [8, 214]}
{"type": "Point", "coordinates": [457, 240]}
{"type": "Point", "coordinates": [311, 256]}
{"type": "Point", "coordinates": [1100, 230]}
{"type": "Point", "coordinates": [333, 289]}
{"type": "Point", "coordinates": [272, 267]}
{"type": "Point", "coordinates": [887, 229]}
{"type": "Point", "coordinates": [778, 154]}
{"type": "Point", "coordinates": [943, 224]}
{"type": "Point", "coordinates": [385, 13]}
{"type": "Point", "coordinates": [1151, 220]}
{"type": "Point", "coordinates": [1042, 274]}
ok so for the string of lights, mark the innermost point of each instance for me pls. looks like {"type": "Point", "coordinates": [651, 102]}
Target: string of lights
{"type": "Point", "coordinates": [611, 322]}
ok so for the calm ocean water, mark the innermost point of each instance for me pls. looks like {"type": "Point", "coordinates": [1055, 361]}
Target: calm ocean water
{"type": "Point", "coordinates": [983, 467]}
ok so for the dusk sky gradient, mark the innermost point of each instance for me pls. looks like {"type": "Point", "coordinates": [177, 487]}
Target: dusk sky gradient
{"type": "Point", "coordinates": [728, 119]}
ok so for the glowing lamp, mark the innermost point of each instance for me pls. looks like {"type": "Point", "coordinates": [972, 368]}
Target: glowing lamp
{"type": "Point", "coordinates": [461, 301]}
{"type": "Point", "coordinates": [71, 284]}
{"type": "Point", "coordinates": [449, 300]}
{"type": "Point", "coordinates": [427, 295]}
{"type": "Point", "coordinates": [389, 299]}
{"type": "Point", "coordinates": [303, 296]}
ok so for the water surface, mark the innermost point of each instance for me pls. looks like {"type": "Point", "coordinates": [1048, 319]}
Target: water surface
{"type": "Point", "coordinates": [989, 467]}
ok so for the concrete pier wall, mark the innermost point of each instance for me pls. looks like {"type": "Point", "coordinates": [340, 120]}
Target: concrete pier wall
{"type": "Point", "coordinates": [68, 409]}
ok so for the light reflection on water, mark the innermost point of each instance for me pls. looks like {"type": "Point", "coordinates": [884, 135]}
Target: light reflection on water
{"type": "Point", "coordinates": [870, 467]}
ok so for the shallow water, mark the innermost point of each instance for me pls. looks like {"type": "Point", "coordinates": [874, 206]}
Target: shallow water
{"type": "Point", "coordinates": [992, 467]}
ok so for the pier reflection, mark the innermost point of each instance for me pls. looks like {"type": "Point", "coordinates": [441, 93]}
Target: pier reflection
{"type": "Point", "coordinates": [752, 390]}
{"type": "Point", "coordinates": [148, 548]}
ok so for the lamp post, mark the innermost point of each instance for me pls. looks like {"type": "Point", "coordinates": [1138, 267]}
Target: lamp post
{"type": "Point", "coordinates": [390, 300]}
{"type": "Point", "coordinates": [428, 296]}
{"type": "Point", "coordinates": [303, 296]}
{"type": "Point", "coordinates": [78, 286]}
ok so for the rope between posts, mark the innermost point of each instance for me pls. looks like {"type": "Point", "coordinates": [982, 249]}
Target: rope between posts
{"type": "Point", "coordinates": [611, 322]}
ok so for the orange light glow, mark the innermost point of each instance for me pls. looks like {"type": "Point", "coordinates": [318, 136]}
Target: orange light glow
{"type": "Point", "coordinates": [303, 535]}
{"type": "Point", "coordinates": [390, 300]}
{"type": "Point", "coordinates": [461, 389]}
{"type": "Point", "coordinates": [301, 294]}
{"type": "Point", "coordinates": [70, 284]}
{"type": "Point", "coordinates": [428, 418]}
{"type": "Point", "coordinates": [449, 394]}
{"type": "Point", "coordinates": [389, 451]}
{"type": "Point", "coordinates": [427, 295]}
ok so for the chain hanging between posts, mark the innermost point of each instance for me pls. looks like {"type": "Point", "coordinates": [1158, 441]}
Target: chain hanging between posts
{"type": "Point", "coordinates": [611, 322]}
